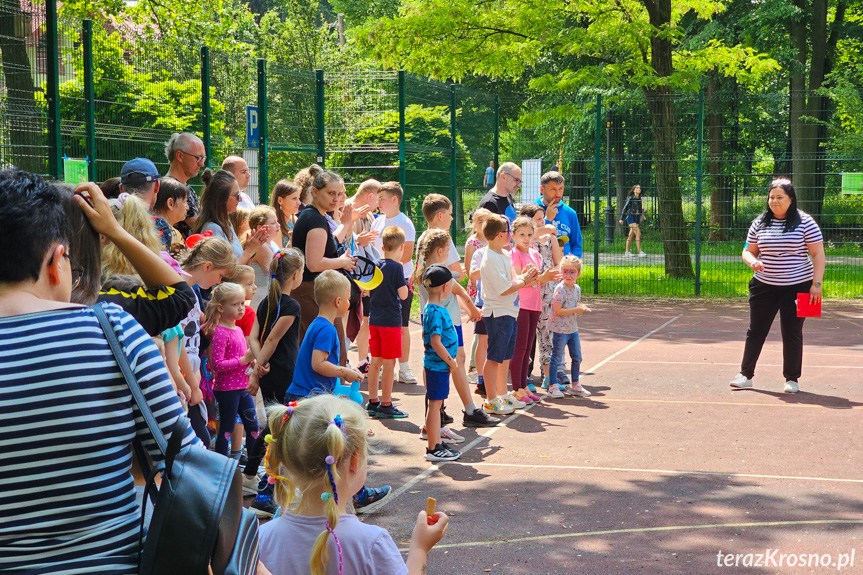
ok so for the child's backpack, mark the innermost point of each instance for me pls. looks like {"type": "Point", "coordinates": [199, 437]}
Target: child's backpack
{"type": "Point", "coordinates": [198, 517]}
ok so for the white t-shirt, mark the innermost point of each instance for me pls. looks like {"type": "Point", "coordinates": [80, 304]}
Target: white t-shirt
{"type": "Point", "coordinates": [496, 274]}
{"type": "Point", "coordinates": [407, 227]}
{"type": "Point", "coordinates": [287, 541]}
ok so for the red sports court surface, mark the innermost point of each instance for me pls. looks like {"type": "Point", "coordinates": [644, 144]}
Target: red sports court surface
{"type": "Point", "coordinates": [664, 467]}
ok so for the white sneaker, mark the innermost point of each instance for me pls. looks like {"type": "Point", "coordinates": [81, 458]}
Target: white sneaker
{"type": "Point", "coordinates": [577, 391]}
{"type": "Point", "coordinates": [450, 437]}
{"type": "Point", "coordinates": [497, 407]}
{"type": "Point", "coordinates": [250, 484]}
{"type": "Point", "coordinates": [407, 377]}
{"type": "Point", "coordinates": [642, 255]}
{"type": "Point", "coordinates": [554, 392]}
{"type": "Point", "coordinates": [628, 254]}
{"type": "Point", "coordinates": [791, 386]}
{"type": "Point", "coordinates": [741, 381]}
{"type": "Point", "coordinates": [510, 400]}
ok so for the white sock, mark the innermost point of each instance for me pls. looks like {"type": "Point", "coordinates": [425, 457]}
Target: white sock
{"type": "Point", "coordinates": [470, 408]}
{"type": "Point", "coordinates": [403, 366]}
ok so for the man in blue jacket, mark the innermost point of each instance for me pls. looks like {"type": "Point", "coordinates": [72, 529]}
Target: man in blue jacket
{"type": "Point", "coordinates": [564, 218]}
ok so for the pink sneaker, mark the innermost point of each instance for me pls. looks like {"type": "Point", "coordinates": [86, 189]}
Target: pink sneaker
{"type": "Point", "coordinates": [533, 397]}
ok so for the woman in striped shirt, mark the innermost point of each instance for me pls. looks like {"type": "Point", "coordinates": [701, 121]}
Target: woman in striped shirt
{"type": "Point", "coordinates": [785, 248]}
{"type": "Point", "coordinates": [67, 498]}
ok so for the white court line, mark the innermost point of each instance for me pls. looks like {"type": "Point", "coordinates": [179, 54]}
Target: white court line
{"type": "Point", "coordinates": [644, 530]}
{"type": "Point", "coordinates": [695, 363]}
{"type": "Point", "coordinates": [660, 471]}
{"type": "Point", "coordinates": [491, 431]}
{"type": "Point", "coordinates": [633, 344]}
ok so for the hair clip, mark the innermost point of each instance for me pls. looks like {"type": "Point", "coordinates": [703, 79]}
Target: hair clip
{"type": "Point", "coordinates": [330, 460]}
{"type": "Point", "coordinates": [121, 200]}
{"type": "Point", "coordinates": [269, 438]}
{"type": "Point", "coordinates": [326, 496]}
{"type": "Point", "coordinates": [340, 423]}
{"type": "Point", "coordinates": [291, 405]}
{"type": "Point", "coordinates": [278, 254]}
{"type": "Point", "coordinates": [272, 276]}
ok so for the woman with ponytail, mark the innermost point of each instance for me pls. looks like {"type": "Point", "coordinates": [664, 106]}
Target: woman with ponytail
{"type": "Point", "coordinates": [318, 448]}
{"type": "Point", "coordinates": [219, 200]}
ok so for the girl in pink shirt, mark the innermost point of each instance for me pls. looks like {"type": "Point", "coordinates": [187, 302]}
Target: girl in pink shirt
{"type": "Point", "coordinates": [524, 255]}
{"type": "Point", "coordinates": [230, 361]}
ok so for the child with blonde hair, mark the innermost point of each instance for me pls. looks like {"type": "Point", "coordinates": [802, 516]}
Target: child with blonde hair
{"type": "Point", "coordinates": [132, 215]}
{"type": "Point", "coordinates": [476, 241]}
{"type": "Point", "coordinates": [230, 359]}
{"type": "Point", "coordinates": [318, 448]}
{"type": "Point", "coordinates": [263, 217]}
{"type": "Point", "coordinates": [563, 325]}
{"type": "Point", "coordinates": [524, 255]}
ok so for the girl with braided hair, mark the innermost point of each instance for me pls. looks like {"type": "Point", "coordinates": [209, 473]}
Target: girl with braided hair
{"type": "Point", "coordinates": [318, 448]}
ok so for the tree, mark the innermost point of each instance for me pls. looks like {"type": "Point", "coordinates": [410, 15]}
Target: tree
{"type": "Point", "coordinates": [815, 36]}
{"type": "Point", "coordinates": [607, 44]}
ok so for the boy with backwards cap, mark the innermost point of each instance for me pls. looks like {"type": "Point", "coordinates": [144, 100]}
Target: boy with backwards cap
{"type": "Point", "coordinates": [441, 345]}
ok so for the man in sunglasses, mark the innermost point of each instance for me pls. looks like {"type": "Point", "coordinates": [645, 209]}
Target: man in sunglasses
{"type": "Point", "coordinates": [186, 154]}
{"type": "Point", "coordinates": [498, 200]}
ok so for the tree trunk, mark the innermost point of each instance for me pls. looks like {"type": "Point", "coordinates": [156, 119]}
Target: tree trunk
{"type": "Point", "coordinates": [721, 200]}
{"type": "Point", "coordinates": [660, 102]}
{"type": "Point", "coordinates": [815, 42]}
{"type": "Point", "coordinates": [26, 133]}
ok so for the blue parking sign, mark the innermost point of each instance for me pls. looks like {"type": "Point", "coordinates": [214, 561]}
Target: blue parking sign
{"type": "Point", "coordinates": [252, 126]}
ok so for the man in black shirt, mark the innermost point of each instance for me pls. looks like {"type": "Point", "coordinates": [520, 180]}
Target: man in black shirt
{"type": "Point", "coordinates": [498, 200]}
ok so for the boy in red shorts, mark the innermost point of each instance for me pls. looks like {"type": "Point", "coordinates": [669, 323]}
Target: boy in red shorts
{"type": "Point", "coordinates": [385, 324]}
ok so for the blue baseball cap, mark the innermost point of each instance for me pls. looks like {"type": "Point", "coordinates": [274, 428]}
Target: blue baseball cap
{"type": "Point", "coordinates": [138, 171]}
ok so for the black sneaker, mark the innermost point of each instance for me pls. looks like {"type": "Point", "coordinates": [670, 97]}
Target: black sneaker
{"type": "Point", "coordinates": [480, 389]}
{"type": "Point", "coordinates": [369, 495]}
{"type": "Point", "coordinates": [479, 418]}
{"type": "Point", "coordinates": [372, 408]}
{"type": "Point", "coordinates": [264, 506]}
{"type": "Point", "coordinates": [445, 418]}
{"type": "Point", "coordinates": [389, 412]}
{"type": "Point", "coordinates": [441, 453]}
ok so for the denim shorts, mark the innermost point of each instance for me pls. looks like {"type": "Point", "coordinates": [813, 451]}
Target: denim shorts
{"type": "Point", "coordinates": [501, 337]}
{"type": "Point", "coordinates": [437, 384]}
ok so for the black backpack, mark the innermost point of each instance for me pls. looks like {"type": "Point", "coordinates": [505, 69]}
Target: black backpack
{"type": "Point", "coordinates": [198, 517]}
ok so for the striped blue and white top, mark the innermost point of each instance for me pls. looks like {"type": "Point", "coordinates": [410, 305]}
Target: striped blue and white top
{"type": "Point", "coordinates": [67, 420]}
{"type": "Point", "coordinates": [784, 254]}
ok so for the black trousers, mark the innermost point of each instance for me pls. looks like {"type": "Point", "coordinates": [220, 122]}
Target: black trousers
{"type": "Point", "coordinates": [764, 301]}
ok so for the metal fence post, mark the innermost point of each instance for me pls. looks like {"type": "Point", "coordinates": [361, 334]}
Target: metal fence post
{"type": "Point", "coordinates": [698, 178]}
{"type": "Point", "coordinates": [452, 159]}
{"type": "Point", "coordinates": [89, 100]}
{"type": "Point", "coordinates": [205, 101]}
{"type": "Point", "coordinates": [496, 130]}
{"type": "Point", "coordinates": [320, 121]}
{"type": "Point", "coordinates": [55, 144]}
{"type": "Point", "coordinates": [402, 167]}
{"type": "Point", "coordinates": [263, 140]}
{"type": "Point", "coordinates": [596, 182]}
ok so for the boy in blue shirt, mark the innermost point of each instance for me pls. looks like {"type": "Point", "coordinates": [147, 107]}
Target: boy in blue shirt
{"type": "Point", "coordinates": [317, 367]}
{"type": "Point", "coordinates": [385, 324]}
{"type": "Point", "coordinates": [440, 341]}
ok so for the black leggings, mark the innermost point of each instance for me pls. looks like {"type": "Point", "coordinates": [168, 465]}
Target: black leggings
{"type": "Point", "coordinates": [256, 453]}
{"type": "Point", "coordinates": [764, 301]}
{"type": "Point", "coordinates": [232, 403]}
{"type": "Point", "coordinates": [199, 423]}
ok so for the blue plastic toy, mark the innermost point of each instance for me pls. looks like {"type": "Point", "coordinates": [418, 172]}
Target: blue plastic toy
{"type": "Point", "coordinates": [351, 391]}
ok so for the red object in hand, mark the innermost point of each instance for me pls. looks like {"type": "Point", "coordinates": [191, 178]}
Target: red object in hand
{"type": "Point", "coordinates": [433, 519]}
{"type": "Point", "coordinates": [806, 309]}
